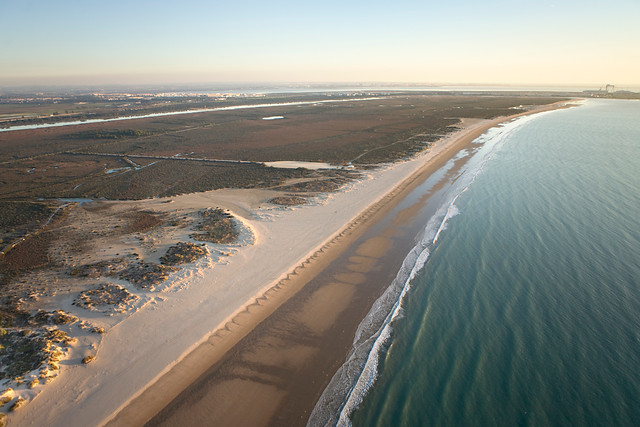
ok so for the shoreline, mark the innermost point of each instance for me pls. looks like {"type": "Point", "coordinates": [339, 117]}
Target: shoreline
{"type": "Point", "coordinates": [125, 381]}
{"type": "Point", "coordinates": [146, 404]}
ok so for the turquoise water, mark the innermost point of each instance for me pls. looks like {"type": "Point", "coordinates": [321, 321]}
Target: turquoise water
{"type": "Point", "coordinates": [526, 310]}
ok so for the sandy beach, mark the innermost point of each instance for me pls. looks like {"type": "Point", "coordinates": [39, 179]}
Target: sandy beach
{"type": "Point", "coordinates": [197, 321]}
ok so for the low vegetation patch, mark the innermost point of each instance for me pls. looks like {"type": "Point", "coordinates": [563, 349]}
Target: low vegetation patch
{"type": "Point", "coordinates": [29, 254]}
{"type": "Point", "coordinates": [19, 218]}
{"type": "Point", "coordinates": [106, 295]}
{"type": "Point", "coordinates": [183, 253]}
{"type": "Point", "coordinates": [6, 396]}
{"type": "Point", "coordinates": [57, 317]}
{"type": "Point", "coordinates": [216, 226]}
{"type": "Point", "coordinates": [110, 134]}
{"type": "Point", "coordinates": [146, 274]}
{"type": "Point", "coordinates": [288, 200]}
{"type": "Point", "coordinates": [98, 269]}
{"type": "Point", "coordinates": [23, 350]}
{"type": "Point", "coordinates": [19, 403]}
{"type": "Point", "coordinates": [11, 316]}
{"type": "Point", "coordinates": [142, 221]}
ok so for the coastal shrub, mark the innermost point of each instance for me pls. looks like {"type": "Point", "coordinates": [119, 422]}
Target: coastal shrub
{"type": "Point", "coordinates": [21, 353]}
{"type": "Point", "coordinates": [288, 200]}
{"type": "Point", "coordinates": [216, 226]}
{"type": "Point", "coordinates": [57, 317]}
{"type": "Point", "coordinates": [183, 252]}
{"type": "Point", "coordinates": [29, 254]}
{"type": "Point", "coordinates": [19, 214]}
{"type": "Point", "coordinates": [105, 295]}
{"type": "Point", "coordinates": [6, 396]}
{"type": "Point", "coordinates": [146, 274]}
{"type": "Point", "coordinates": [13, 316]}
{"type": "Point", "coordinates": [19, 403]}
{"type": "Point", "coordinates": [111, 134]}
{"type": "Point", "coordinates": [59, 336]}
{"type": "Point", "coordinates": [102, 268]}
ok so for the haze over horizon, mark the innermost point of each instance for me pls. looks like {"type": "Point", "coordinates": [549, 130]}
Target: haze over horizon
{"type": "Point", "coordinates": [159, 42]}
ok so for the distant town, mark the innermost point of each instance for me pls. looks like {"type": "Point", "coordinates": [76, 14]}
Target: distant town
{"type": "Point", "coordinates": [29, 106]}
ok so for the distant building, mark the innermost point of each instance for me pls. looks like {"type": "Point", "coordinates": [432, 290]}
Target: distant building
{"type": "Point", "coordinates": [605, 90]}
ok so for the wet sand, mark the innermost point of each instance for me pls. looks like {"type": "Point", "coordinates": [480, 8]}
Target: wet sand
{"type": "Point", "coordinates": [281, 368]}
{"type": "Point", "coordinates": [270, 364]}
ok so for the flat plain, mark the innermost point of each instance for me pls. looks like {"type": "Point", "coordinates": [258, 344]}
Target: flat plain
{"type": "Point", "coordinates": [164, 156]}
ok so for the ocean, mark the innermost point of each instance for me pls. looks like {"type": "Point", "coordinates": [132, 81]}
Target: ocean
{"type": "Point", "coordinates": [520, 302]}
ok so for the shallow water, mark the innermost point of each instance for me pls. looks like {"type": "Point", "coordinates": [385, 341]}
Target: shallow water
{"type": "Point", "coordinates": [285, 164]}
{"type": "Point", "coordinates": [525, 305]}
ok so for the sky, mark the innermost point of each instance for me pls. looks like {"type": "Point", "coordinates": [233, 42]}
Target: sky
{"type": "Point", "coordinates": [517, 42]}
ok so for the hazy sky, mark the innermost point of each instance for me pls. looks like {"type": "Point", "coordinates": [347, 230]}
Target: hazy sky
{"type": "Point", "coordinates": [583, 42]}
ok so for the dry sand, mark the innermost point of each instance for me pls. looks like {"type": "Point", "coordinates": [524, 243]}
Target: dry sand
{"type": "Point", "coordinates": [149, 357]}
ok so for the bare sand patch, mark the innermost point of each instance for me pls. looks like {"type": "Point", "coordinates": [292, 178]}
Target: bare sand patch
{"type": "Point", "coordinates": [374, 247]}
{"type": "Point", "coordinates": [325, 305]}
